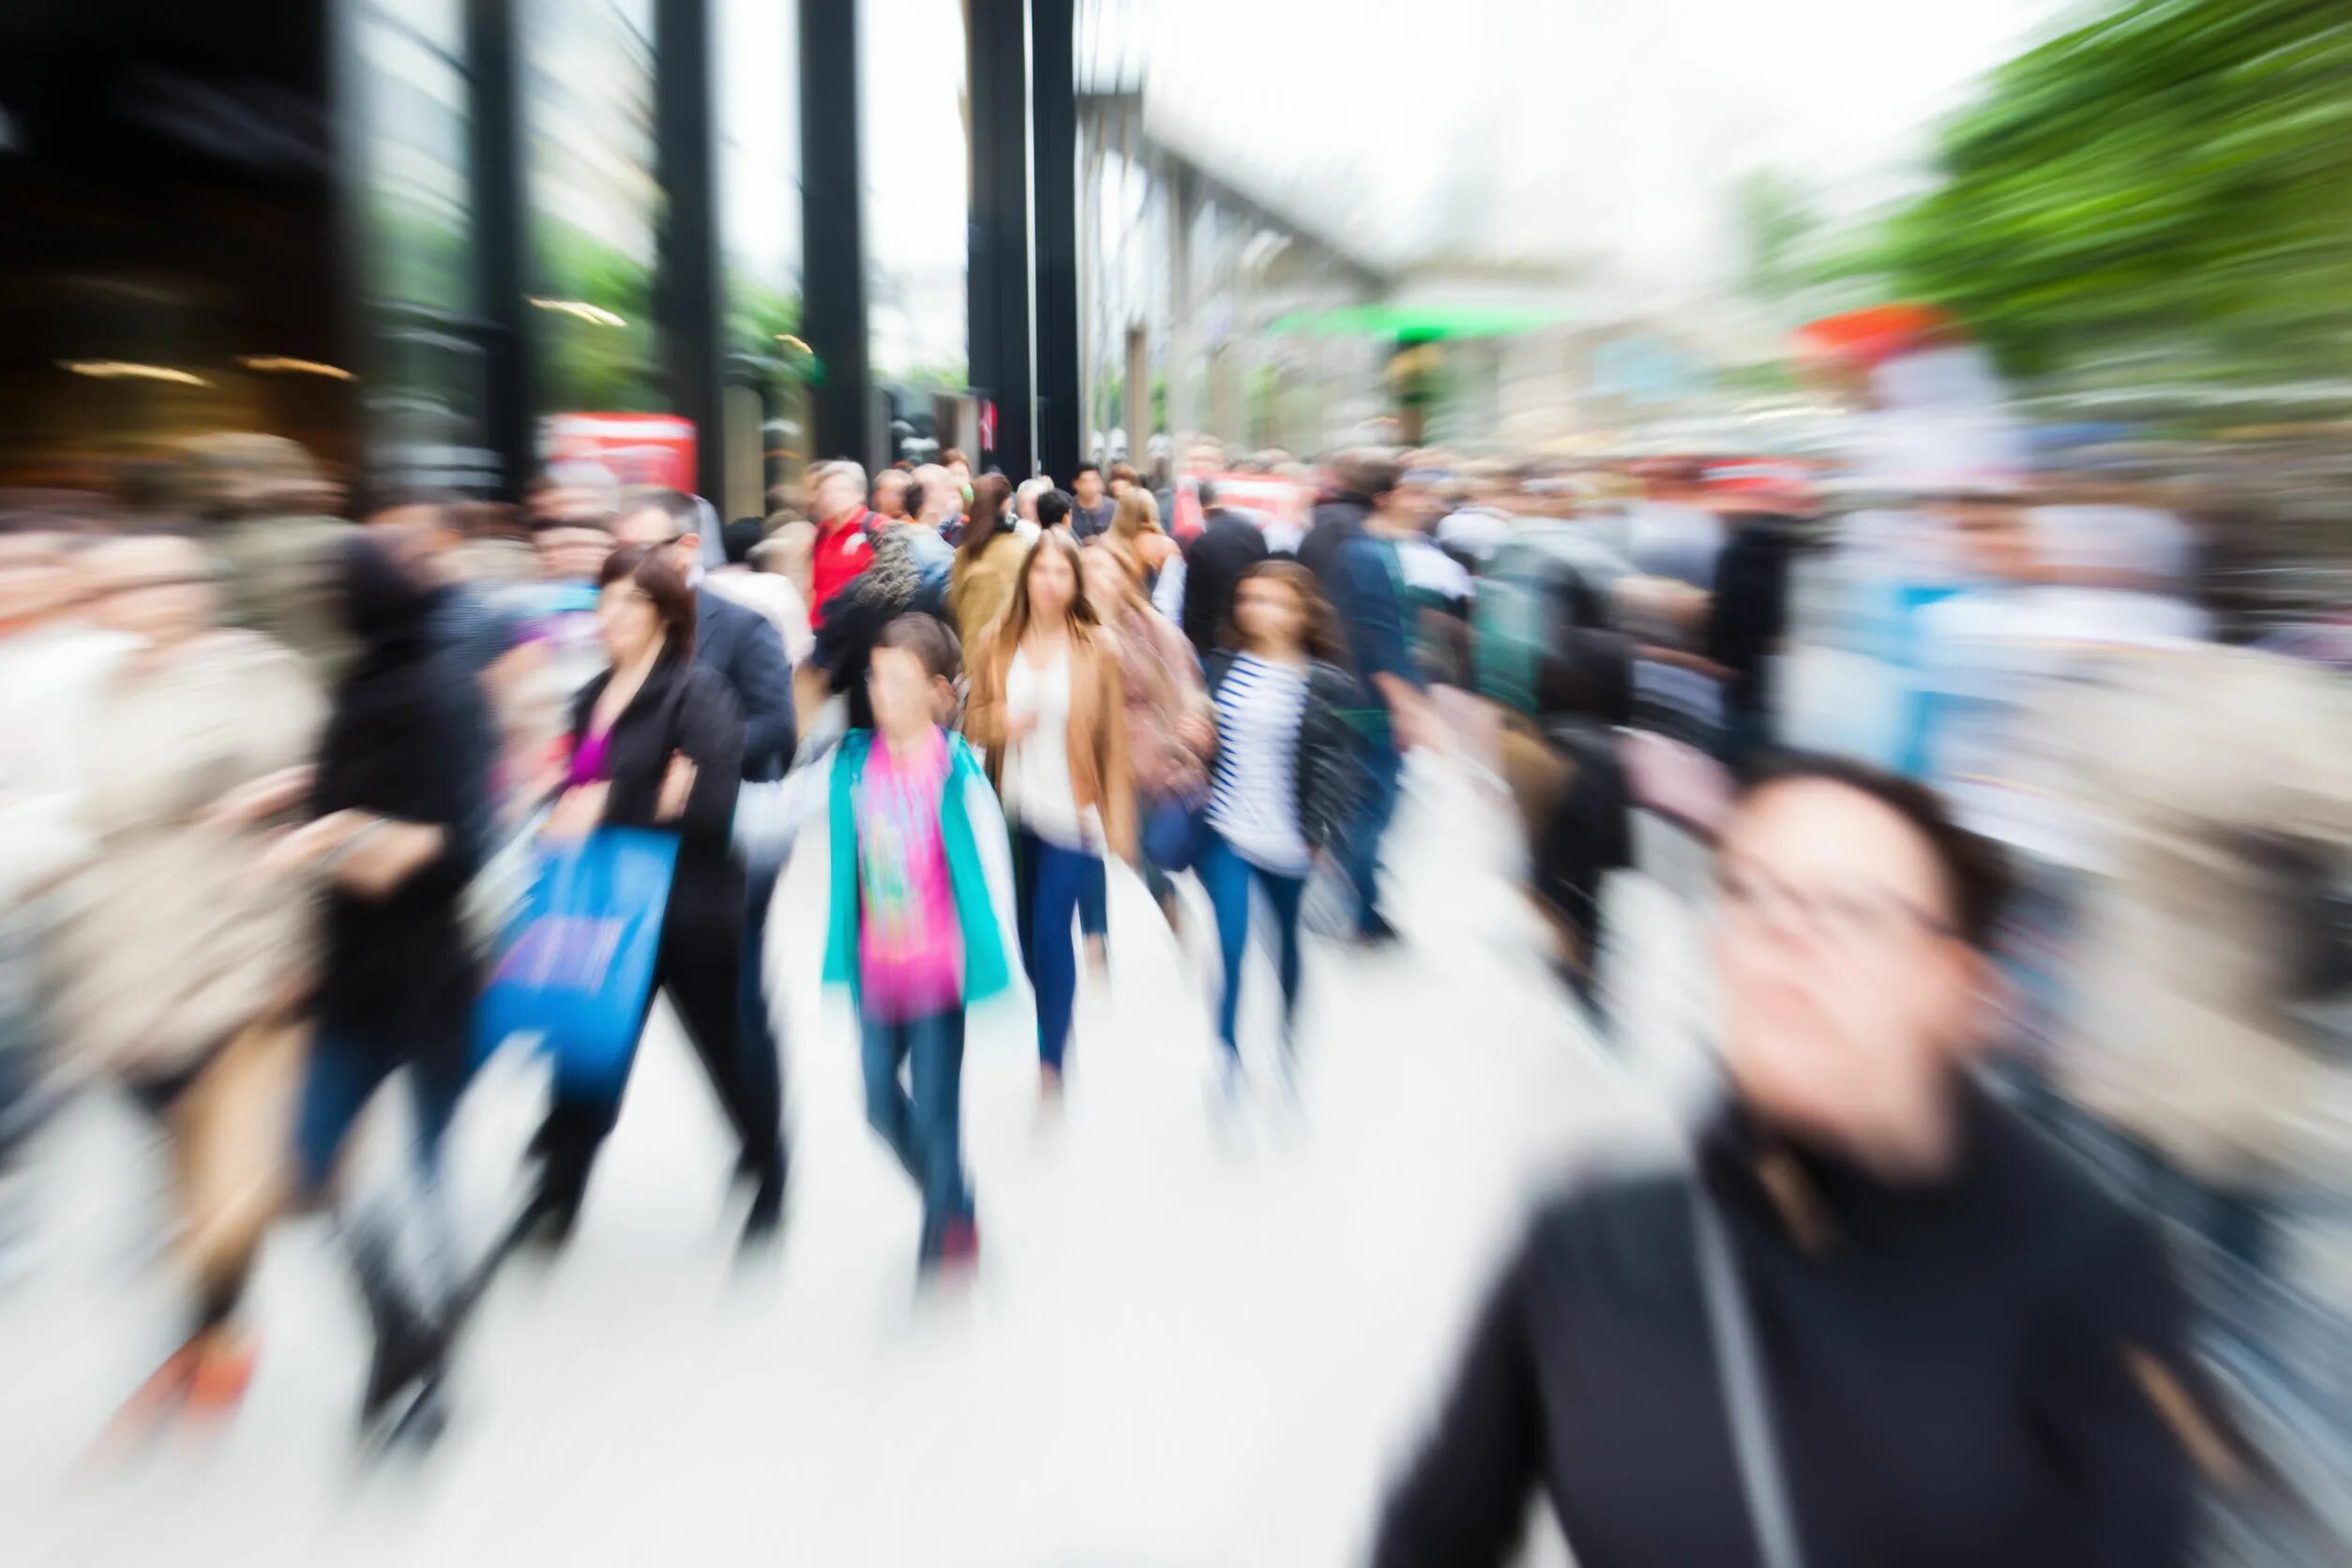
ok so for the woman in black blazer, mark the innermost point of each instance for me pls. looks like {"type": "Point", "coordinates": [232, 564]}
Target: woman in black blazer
{"type": "Point", "coordinates": [655, 702]}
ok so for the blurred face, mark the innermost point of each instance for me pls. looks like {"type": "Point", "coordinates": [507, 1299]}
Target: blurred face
{"type": "Point", "coordinates": [1028, 506]}
{"type": "Point", "coordinates": [837, 497]}
{"type": "Point", "coordinates": [572, 554]}
{"type": "Point", "coordinates": [1268, 613]}
{"type": "Point", "coordinates": [157, 589]}
{"type": "Point", "coordinates": [906, 698]}
{"type": "Point", "coordinates": [890, 494]}
{"type": "Point", "coordinates": [651, 525]}
{"type": "Point", "coordinates": [1052, 586]}
{"type": "Point", "coordinates": [960, 472]}
{"type": "Point", "coordinates": [1995, 538]}
{"type": "Point", "coordinates": [1848, 1003]}
{"type": "Point", "coordinates": [629, 622]}
{"type": "Point", "coordinates": [1088, 488]}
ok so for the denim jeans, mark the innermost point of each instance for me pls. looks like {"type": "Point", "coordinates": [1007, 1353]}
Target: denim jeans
{"type": "Point", "coordinates": [1360, 842]}
{"type": "Point", "coordinates": [1052, 881]}
{"type": "Point", "coordinates": [1227, 878]}
{"type": "Point", "coordinates": [344, 1075]}
{"type": "Point", "coordinates": [761, 1079]}
{"type": "Point", "coordinates": [925, 1129]}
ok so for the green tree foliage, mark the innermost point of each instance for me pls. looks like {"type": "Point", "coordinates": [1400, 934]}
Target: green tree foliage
{"type": "Point", "coordinates": [2169, 185]}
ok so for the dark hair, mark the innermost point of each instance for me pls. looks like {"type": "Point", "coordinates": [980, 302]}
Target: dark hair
{"type": "Point", "coordinates": [659, 581]}
{"type": "Point", "coordinates": [680, 509]}
{"type": "Point", "coordinates": [929, 639]}
{"type": "Point", "coordinates": [1975, 870]}
{"type": "Point", "coordinates": [1125, 471]}
{"type": "Point", "coordinates": [1093, 467]}
{"type": "Point", "coordinates": [913, 499]}
{"type": "Point", "coordinates": [987, 520]}
{"type": "Point", "coordinates": [1321, 636]}
{"type": "Point", "coordinates": [741, 538]}
{"type": "Point", "coordinates": [1052, 506]}
{"type": "Point", "coordinates": [1208, 493]}
{"type": "Point", "coordinates": [1376, 478]}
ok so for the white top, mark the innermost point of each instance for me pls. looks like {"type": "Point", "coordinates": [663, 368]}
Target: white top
{"type": "Point", "coordinates": [1038, 794]}
{"type": "Point", "coordinates": [1254, 799]}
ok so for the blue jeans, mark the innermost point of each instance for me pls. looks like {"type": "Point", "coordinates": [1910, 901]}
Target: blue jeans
{"type": "Point", "coordinates": [1227, 877]}
{"type": "Point", "coordinates": [1094, 903]}
{"type": "Point", "coordinates": [762, 1069]}
{"type": "Point", "coordinates": [1051, 880]}
{"type": "Point", "coordinates": [1359, 850]}
{"type": "Point", "coordinates": [925, 1129]}
{"type": "Point", "coordinates": [344, 1075]}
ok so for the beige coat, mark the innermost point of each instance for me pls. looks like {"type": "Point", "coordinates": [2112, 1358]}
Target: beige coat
{"type": "Point", "coordinates": [167, 942]}
{"type": "Point", "coordinates": [979, 590]}
{"type": "Point", "coordinates": [1100, 773]}
{"type": "Point", "coordinates": [2179, 1035]}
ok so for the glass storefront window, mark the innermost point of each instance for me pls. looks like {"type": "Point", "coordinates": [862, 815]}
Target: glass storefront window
{"type": "Point", "coordinates": [756, 82]}
{"type": "Point", "coordinates": [914, 134]}
{"type": "Point", "coordinates": [588, 107]}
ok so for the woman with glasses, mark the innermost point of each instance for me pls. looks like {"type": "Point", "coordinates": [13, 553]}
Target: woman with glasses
{"type": "Point", "coordinates": [1876, 1320]}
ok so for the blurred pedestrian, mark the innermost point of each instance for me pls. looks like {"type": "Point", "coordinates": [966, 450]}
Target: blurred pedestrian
{"type": "Point", "coordinates": [1166, 705]}
{"type": "Point", "coordinates": [1338, 516]}
{"type": "Point", "coordinates": [843, 547]}
{"type": "Point", "coordinates": [987, 563]}
{"type": "Point", "coordinates": [894, 584]}
{"type": "Point", "coordinates": [770, 591]}
{"type": "Point", "coordinates": [921, 909]}
{"type": "Point", "coordinates": [655, 701]}
{"type": "Point", "coordinates": [1229, 546]}
{"type": "Point", "coordinates": [1090, 508]}
{"type": "Point", "coordinates": [1287, 770]}
{"type": "Point", "coordinates": [1881, 1321]}
{"type": "Point", "coordinates": [1048, 706]}
{"type": "Point", "coordinates": [175, 971]}
{"type": "Point", "coordinates": [270, 515]}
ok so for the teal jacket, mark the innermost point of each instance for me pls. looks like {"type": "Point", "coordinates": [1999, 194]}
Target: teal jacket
{"type": "Point", "coordinates": [967, 809]}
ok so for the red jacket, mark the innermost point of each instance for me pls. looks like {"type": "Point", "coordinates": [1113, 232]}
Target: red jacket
{"type": "Point", "coordinates": [841, 554]}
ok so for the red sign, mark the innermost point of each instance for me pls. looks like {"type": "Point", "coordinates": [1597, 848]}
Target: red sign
{"type": "Point", "coordinates": [635, 448]}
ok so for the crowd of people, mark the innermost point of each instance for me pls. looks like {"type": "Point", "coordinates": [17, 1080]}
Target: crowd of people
{"type": "Point", "coordinates": [267, 771]}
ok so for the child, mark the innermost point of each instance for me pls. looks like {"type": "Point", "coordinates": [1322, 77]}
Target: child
{"type": "Point", "coordinates": [922, 881]}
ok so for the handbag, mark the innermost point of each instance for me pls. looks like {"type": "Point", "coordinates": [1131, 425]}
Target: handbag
{"type": "Point", "coordinates": [1171, 834]}
{"type": "Point", "coordinates": [581, 964]}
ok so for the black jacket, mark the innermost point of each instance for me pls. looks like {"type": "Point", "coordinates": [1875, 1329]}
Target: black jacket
{"type": "Point", "coordinates": [1329, 770]}
{"type": "Point", "coordinates": [1336, 521]}
{"type": "Point", "coordinates": [1213, 564]}
{"type": "Point", "coordinates": [745, 648]}
{"type": "Point", "coordinates": [683, 710]}
{"type": "Point", "coordinates": [1957, 1372]}
{"type": "Point", "coordinates": [403, 740]}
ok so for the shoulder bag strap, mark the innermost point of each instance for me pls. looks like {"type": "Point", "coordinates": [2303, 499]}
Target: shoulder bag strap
{"type": "Point", "coordinates": [1739, 1371]}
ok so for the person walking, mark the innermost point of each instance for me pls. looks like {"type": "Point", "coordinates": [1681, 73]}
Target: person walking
{"type": "Point", "coordinates": [398, 978]}
{"type": "Point", "coordinates": [1090, 508]}
{"type": "Point", "coordinates": [655, 701]}
{"type": "Point", "coordinates": [1367, 589]}
{"type": "Point", "coordinates": [1229, 544]}
{"type": "Point", "coordinates": [1137, 535]}
{"type": "Point", "coordinates": [175, 971]}
{"type": "Point", "coordinates": [1048, 705]}
{"type": "Point", "coordinates": [1876, 1318]}
{"type": "Point", "coordinates": [1287, 770]}
{"type": "Point", "coordinates": [745, 650]}
{"type": "Point", "coordinates": [987, 563]}
{"type": "Point", "coordinates": [1166, 707]}
{"type": "Point", "coordinates": [843, 545]}
{"type": "Point", "coordinates": [921, 905]}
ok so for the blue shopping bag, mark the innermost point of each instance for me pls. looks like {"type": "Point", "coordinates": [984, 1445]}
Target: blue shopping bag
{"type": "Point", "coordinates": [576, 972]}
{"type": "Point", "coordinates": [1171, 834]}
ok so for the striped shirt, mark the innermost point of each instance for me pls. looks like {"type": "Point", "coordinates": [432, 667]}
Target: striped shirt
{"type": "Point", "coordinates": [1254, 799]}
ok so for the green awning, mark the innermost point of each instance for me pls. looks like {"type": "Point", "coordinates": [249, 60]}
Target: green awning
{"type": "Point", "coordinates": [1417, 321]}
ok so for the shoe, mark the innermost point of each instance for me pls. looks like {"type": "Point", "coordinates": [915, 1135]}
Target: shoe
{"type": "Point", "coordinates": [1048, 1086]}
{"type": "Point", "coordinates": [224, 1370]}
{"type": "Point", "coordinates": [958, 1249]}
{"type": "Point", "coordinates": [767, 1208]}
{"type": "Point", "coordinates": [165, 1391]}
{"type": "Point", "coordinates": [1377, 934]}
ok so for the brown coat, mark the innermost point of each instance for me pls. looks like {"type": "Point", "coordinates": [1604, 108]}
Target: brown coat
{"type": "Point", "coordinates": [978, 589]}
{"type": "Point", "coordinates": [1100, 773]}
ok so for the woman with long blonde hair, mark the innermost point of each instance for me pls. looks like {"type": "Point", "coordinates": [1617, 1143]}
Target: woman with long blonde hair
{"type": "Point", "coordinates": [1048, 705]}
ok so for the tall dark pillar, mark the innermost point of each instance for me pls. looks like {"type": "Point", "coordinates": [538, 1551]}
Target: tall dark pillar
{"type": "Point", "coordinates": [997, 282]}
{"type": "Point", "coordinates": [833, 243]}
{"type": "Point", "coordinates": [502, 238]}
{"type": "Point", "coordinates": [1062, 414]}
{"type": "Point", "coordinates": [686, 290]}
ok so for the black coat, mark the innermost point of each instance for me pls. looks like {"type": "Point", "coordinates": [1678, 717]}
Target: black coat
{"type": "Point", "coordinates": [1329, 769]}
{"type": "Point", "coordinates": [403, 740]}
{"type": "Point", "coordinates": [1213, 564]}
{"type": "Point", "coordinates": [685, 710]}
{"type": "Point", "coordinates": [745, 648]}
{"type": "Point", "coordinates": [1958, 1372]}
{"type": "Point", "coordinates": [1336, 521]}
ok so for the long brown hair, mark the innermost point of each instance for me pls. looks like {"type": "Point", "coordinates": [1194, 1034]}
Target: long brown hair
{"type": "Point", "coordinates": [1321, 636]}
{"type": "Point", "coordinates": [985, 520]}
{"type": "Point", "coordinates": [1015, 625]}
